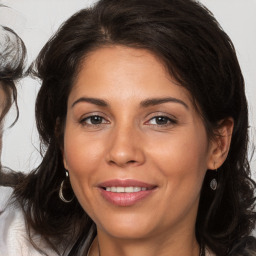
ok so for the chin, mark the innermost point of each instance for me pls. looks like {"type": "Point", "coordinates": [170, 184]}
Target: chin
{"type": "Point", "coordinates": [127, 227]}
{"type": "Point", "coordinates": [128, 234]}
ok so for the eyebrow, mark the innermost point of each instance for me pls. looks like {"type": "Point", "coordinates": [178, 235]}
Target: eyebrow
{"type": "Point", "coordinates": [145, 103]}
{"type": "Point", "coordinates": [94, 101]}
{"type": "Point", "coordinates": [157, 101]}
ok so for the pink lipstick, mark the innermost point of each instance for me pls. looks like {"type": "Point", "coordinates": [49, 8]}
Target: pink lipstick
{"type": "Point", "coordinates": [125, 192]}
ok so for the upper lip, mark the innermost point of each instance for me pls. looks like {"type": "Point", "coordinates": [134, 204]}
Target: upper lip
{"type": "Point", "coordinates": [126, 183]}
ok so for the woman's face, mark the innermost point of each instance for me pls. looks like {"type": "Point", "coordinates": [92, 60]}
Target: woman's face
{"type": "Point", "coordinates": [134, 145]}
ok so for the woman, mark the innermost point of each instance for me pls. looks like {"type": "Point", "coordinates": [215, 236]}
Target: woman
{"type": "Point", "coordinates": [143, 121]}
{"type": "Point", "coordinates": [12, 57]}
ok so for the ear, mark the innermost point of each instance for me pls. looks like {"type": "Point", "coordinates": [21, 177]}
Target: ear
{"type": "Point", "coordinates": [64, 161]}
{"type": "Point", "coordinates": [219, 145]}
{"type": "Point", "coordinates": [58, 131]}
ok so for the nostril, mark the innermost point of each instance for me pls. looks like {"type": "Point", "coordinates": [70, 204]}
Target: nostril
{"type": "Point", "coordinates": [124, 163]}
{"type": "Point", "coordinates": [131, 161]}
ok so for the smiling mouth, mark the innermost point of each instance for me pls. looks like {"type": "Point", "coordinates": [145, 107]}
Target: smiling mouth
{"type": "Point", "coordinates": [125, 192]}
{"type": "Point", "coordinates": [125, 189]}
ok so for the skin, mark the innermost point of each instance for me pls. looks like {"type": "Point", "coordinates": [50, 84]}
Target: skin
{"type": "Point", "coordinates": [130, 143]}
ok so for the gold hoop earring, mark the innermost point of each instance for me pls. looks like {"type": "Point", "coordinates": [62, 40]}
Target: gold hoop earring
{"type": "Point", "coordinates": [61, 196]}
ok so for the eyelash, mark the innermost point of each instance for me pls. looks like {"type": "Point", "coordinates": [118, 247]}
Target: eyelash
{"type": "Point", "coordinates": [168, 121]}
{"type": "Point", "coordinates": [83, 121]}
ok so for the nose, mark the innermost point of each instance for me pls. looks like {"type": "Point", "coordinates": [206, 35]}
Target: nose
{"type": "Point", "coordinates": [125, 147]}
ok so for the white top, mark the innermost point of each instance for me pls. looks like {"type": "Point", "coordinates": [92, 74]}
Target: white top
{"type": "Point", "coordinates": [13, 236]}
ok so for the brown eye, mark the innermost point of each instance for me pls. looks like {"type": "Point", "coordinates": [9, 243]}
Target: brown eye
{"type": "Point", "coordinates": [93, 120]}
{"type": "Point", "coordinates": [161, 120]}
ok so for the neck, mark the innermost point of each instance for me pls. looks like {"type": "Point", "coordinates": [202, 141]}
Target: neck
{"type": "Point", "coordinates": [180, 244]}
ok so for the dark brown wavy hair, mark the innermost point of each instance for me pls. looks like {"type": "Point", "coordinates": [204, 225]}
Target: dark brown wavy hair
{"type": "Point", "coordinates": [201, 57]}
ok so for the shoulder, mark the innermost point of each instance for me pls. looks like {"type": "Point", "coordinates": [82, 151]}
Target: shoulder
{"type": "Point", "coordinates": [5, 194]}
{"type": "Point", "coordinates": [14, 239]}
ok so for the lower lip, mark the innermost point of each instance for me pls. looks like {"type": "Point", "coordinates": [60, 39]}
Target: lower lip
{"type": "Point", "coordinates": [125, 199]}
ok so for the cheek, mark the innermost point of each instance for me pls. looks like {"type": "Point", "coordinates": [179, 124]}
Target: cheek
{"type": "Point", "coordinates": [181, 162]}
{"type": "Point", "coordinates": [81, 157]}
{"type": "Point", "coordinates": [182, 156]}
{"type": "Point", "coordinates": [81, 153]}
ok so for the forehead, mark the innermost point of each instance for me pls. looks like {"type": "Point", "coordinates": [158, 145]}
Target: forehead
{"type": "Point", "coordinates": [121, 71]}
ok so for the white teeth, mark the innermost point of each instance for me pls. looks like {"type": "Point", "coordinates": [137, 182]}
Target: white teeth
{"type": "Point", "coordinates": [125, 189]}
{"type": "Point", "coordinates": [136, 189]}
{"type": "Point", "coordinates": [119, 189]}
{"type": "Point", "coordinates": [128, 189]}
{"type": "Point", "coordinates": [113, 189]}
